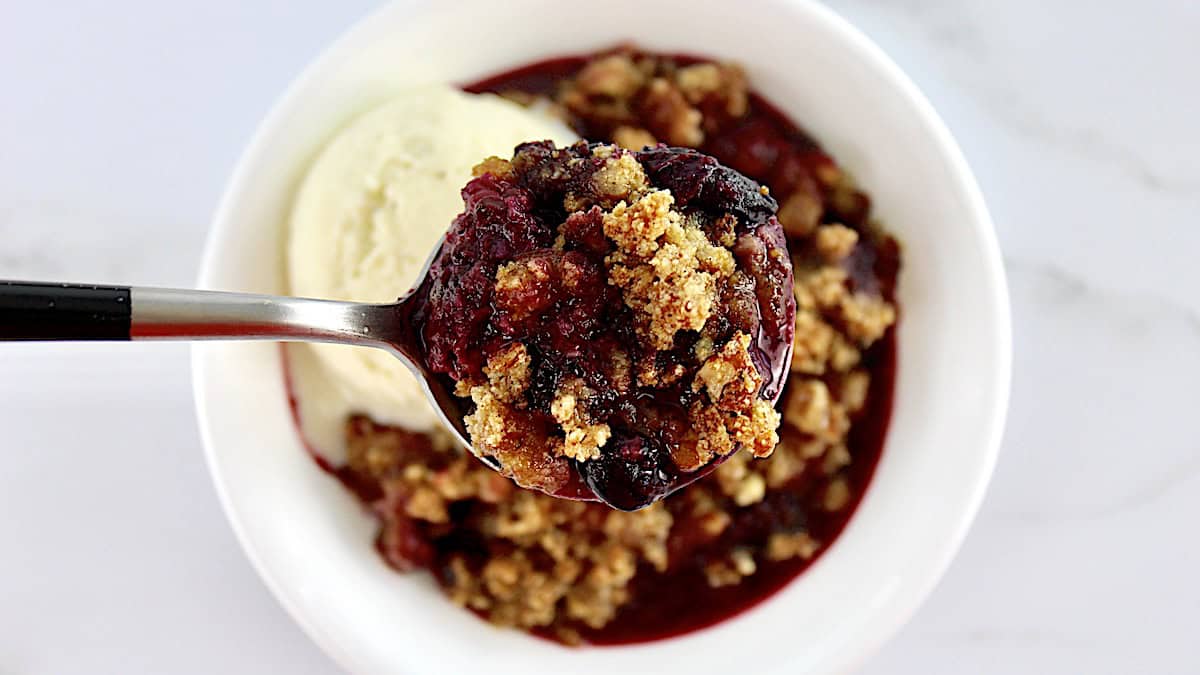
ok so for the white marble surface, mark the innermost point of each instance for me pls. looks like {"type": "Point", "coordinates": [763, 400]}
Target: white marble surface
{"type": "Point", "coordinates": [120, 121]}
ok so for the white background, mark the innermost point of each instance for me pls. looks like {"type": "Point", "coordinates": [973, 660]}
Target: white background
{"type": "Point", "coordinates": [119, 122]}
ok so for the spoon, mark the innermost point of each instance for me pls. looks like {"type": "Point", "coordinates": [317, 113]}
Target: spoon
{"type": "Point", "coordinates": [45, 311]}
{"type": "Point", "coordinates": [638, 469]}
{"type": "Point", "coordinates": [59, 311]}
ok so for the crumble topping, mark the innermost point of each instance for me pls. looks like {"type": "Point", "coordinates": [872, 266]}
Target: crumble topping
{"type": "Point", "coordinates": [667, 271]}
{"type": "Point", "coordinates": [730, 570]}
{"type": "Point", "coordinates": [720, 91]}
{"type": "Point", "coordinates": [782, 546]}
{"type": "Point", "coordinates": [519, 442]}
{"type": "Point", "coordinates": [756, 431]}
{"type": "Point", "coordinates": [621, 178]}
{"type": "Point", "coordinates": [507, 371]}
{"type": "Point", "coordinates": [497, 166]}
{"type": "Point", "coordinates": [866, 317]}
{"type": "Point", "coordinates": [732, 384]}
{"type": "Point", "coordinates": [835, 242]}
{"type": "Point", "coordinates": [518, 284]}
{"type": "Point", "coordinates": [550, 562]}
{"type": "Point", "coordinates": [632, 138]}
{"type": "Point", "coordinates": [821, 288]}
{"type": "Point", "coordinates": [548, 558]}
{"type": "Point", "coordinates": [564, 560]}
{"type": "Point", "coordinates": [800, 214]}
{"type": "Point", "coordinates": [636, 229]}
{"type": "Point", "coordinates": [582, 439]}
{"type": "Point", "coordinates": [615, 78]}
{"type": "Point", "coordinates": [640, 100]}
{"type": "Point", "coordinates": [728, 376]}
{"type": "Point", "coordinates": [852, 390]}
{"type": "Point", "coordinates": [837, 495]}
{"type": "Point", "coordinates": [811, 409]}
{"type": "Point", "coordinates": [670, 116]}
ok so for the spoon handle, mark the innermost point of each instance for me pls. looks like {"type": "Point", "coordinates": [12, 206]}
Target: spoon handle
{"type": "Point", "coordinates": [45, 311]}
{"type": "Point", "coordinates": [52, 311]}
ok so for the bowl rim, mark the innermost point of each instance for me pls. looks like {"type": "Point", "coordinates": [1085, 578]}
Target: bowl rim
{"type": "Point", "coordinates": [965, 183]}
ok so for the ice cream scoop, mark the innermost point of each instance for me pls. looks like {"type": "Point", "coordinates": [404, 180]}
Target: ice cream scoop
{"type": "Point", "coordinates": [373, 202]}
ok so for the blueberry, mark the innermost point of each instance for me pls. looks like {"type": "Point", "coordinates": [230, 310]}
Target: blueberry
{"type": "Point", "coordinates": [632, 474]}
{"type": "Point", "coordinates": [700, 181]}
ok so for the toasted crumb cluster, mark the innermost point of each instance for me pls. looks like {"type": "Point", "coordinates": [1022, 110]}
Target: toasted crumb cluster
{"type": "Point", "coordinates": [834, 322]}
{"type": "Point", "coordinates": [735, 415]}
{"type": "Point", "coordinates": [582, 572]}
{"type": "Point", "coordinates": [621, 178]}
{"type": "Point", "coordinates": [508, 373]}
{"type": "Point", "coordinates": [519, 442]}
{"type": "Point", "coordinates": [497, 166]}
{"type": "Point", "coordinates": [667, 272]}
{"type": "Point", "coordinates": [582, 439]}
{"type": "Point", "coordinates": [556, 565]}
{"type": "Point", "coordinates": [639, 100]}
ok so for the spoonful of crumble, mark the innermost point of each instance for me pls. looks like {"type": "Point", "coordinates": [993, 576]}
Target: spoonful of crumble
{"type": "Point", "coordinates": [597, 323]}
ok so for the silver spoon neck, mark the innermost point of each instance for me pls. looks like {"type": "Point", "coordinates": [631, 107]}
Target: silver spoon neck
{"type": "Point", "coordinates": [171, 314]}
{"type": "Point", "coordinates": [179, 314]}
{"type": "Point", "coordinates": [53, 311]}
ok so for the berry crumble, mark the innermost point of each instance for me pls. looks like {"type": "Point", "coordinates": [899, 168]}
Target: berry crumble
{"type": "Point", "coordinates": [582, 572]}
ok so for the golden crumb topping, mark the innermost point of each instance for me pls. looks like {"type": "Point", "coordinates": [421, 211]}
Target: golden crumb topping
{"type": "Point", "coordinates": [613, 77]}
{"type": "Point", "coordinates": [800, 213]}
{"type": "Point", "coordinates": [523, 446]}
{"type": "Point", "coordinates": [734, 415]}
{"type": "Point", "coordinates": [866, 317]}
{"type": "Point", "coordinates": [729, 376]}
{"type": "Point", "coordinates": [583, 564]}
{"type": "Point", "coordinates": [820, 288]}
{"type": "Point", "coordinates": [852, 390]}
{"type": "Point", "coordinates": [670, 116]}
{"type": "Point", "coordinates": [667, 271]}
{"type": "Point", "coordinates": [698, 81]}
{"type": "Point", "coordinates": [582, 440]}
{"type": "Point", "coordinates": [498, 167]}
{"type": "Point", "coordinates": [508, 373]}
{"type": "Point", "coordinates": [621, 178]}
{"type": "Point", "coordinates": [723, 85]}
{"type": "Point", "coordinates": [782, 546]}
{"type": "Point", "coordinates": [835, 242]}
{"type": "Point", "coordinates": [636, 228]}
{"type": "Point", "coordinates": [633, 138]}
{"type": "Point", "coordinates": [512, 280]}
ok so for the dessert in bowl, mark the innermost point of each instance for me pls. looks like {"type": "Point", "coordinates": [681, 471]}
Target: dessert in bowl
{"type": "Point", "coordinates": [313, 542]}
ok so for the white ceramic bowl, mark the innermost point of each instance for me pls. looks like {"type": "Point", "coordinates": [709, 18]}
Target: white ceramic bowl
{"type": "Point", "coordinates": [312, 543]}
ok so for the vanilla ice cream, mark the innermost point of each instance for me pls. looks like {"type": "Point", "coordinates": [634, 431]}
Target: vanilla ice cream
{"type": "Point", "coordinates": [367, 215]}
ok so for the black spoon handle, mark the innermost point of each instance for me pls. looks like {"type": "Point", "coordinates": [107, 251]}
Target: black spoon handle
{"type": "Point", "coordinates": [50, 311]}
{"type": "Point", "coordinates": [42, 311]}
